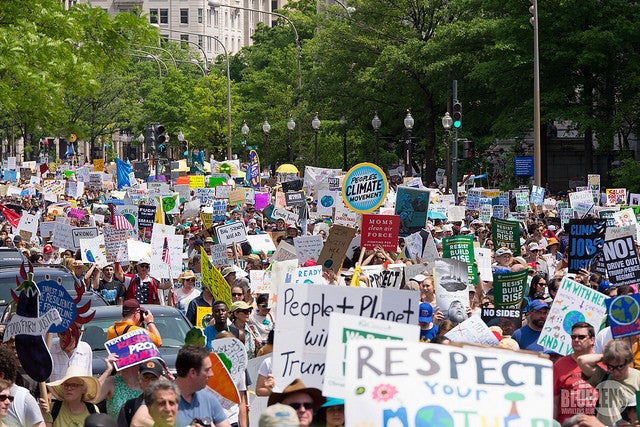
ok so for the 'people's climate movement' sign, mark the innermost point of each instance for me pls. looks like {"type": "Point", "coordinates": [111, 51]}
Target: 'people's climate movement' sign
{"type": "Point", "coordinates": [364, 188]}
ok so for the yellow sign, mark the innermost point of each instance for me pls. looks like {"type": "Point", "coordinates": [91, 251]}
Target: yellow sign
{"type": "Point", "coordinates": [73, 137]}
{"type": "Point", "coordinates": [196, 181]}
{"type": "Point", "coordinates": [98, 165]}
{"type": "Point", "coordinates": [212, 279]}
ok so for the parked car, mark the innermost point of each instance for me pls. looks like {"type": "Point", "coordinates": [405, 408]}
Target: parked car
{"type": "Point", "coordinates": [11, 257]}
{"type": "Point", "coordinates": [171, 323]}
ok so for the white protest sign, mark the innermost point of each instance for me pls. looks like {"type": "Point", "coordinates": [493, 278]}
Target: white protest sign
{"type": "Point", "coordinates": [284, 252]}
{"type": "Point", "coordinates": [46, 228]}
{"type": "Point", "coordinates": [392, 383]}
{"type": "Point", "coordinates": [287, 216]}
{"type": "Point", "coordinates": [308, 275]}
{"type": "Point", "coordinates": [625, 218]}
{"type": "Point", "coordinates": [345, 216]}
{"type": "Point", "coordinates": [115, 242]}
{"type": "Point", "coordinates": [617, 232]}
{"type": "Point", "coordinates": [206, 195]}
{"type": "Point", "coordinates": [219, 256]}
{"type": "Point", "coordinates": [303, 324]}
{"type": "Point", "coordinates": [257, 282]}
{"type": "Point", "coordinates": [381, 277]}
{"type": "Point", "coordinates": [581, 202]}
{"type": "Point", "coordinates": [28, 223]}
{"type": "Point", "coordinates": [573, 303]}
{"type": "Point", "coordinates": [137, 250]}
{"type": "Point", "coordinates": [63, 236]}
{"type": "Point", "coordinates": [93, 250]}
{"type": "Point", "coordinates": [308, 247]}
{"type": "Point", "coordinates": [184, 191]}
{"type": "Point", "coordinates": [472, 330]}
{"type": "Point", "coordinates": [235, 352]}
{"type": "Point", "coordinates": [327, 200]}
{"type": "Point", "coordinates": [163, 237]}
{"type": "Point", "coordinates": [483, 258]}
{"type": "Point", "coordinates": [344, 328]}
{"type": "Point", "coordinates": [261, 243]}
{"type": "Point", "coordinates": [231, 233]}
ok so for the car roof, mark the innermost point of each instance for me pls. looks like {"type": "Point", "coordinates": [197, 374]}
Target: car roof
{"type": "Point", "coordinates": [116, 310]}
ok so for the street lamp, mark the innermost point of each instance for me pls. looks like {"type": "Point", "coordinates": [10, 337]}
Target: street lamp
{"type": "Point", "coordinates": [315, 124]}
{"type": "Point", "coordinates": [376, 123]}
{"type": "Point", "coordinates": [343, 123]}
{"type": "Point", "coordinates": [266, 128]}
{"type": "Point", "coordinates": [141, 141]}
{"type": "Point", "coordinates": [348, 9]}
{"type": "Point", "coordinates": [537, 149]}
{"type": "Point", "coordinates": [408, 146]}
{"type": "Point", "coordinates": [291, 125]}
{"type": "Point", "coordinates": [447, 122]}
{"type": "Point", "coordinates": [245, 134]}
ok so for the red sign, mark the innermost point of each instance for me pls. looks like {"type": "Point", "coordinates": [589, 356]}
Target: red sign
{"type": "Point", "coordinates": [380, 230]}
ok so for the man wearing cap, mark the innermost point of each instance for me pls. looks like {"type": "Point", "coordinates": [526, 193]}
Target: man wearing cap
{"type": "Point", "coordinates": [47, 254]}
{"type": "Point", "coordinates": [447, 230]}
{"type": "Point", "coordinates": [279, 415]}
{"type": "Point", "coordinates": [229, 274]}
{"type": "Point", "coordinates": [305, 400]}
{"type": "Point", "coordinates": [108, 285]}
{"type": "Point", "coordinates": [503, 259]}
{"type": "Point", "coordinates": [149, 372]}
{"type": "Point", "coordinates": [428, 329]}
{"type": "Point", "coordinates": [527, 336]}
{"type": "Point", "coordinates": [534, 250]}
{"type": "Point", "coordinates": [134, 317]}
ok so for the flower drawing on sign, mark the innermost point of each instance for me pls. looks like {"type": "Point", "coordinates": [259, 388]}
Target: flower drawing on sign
{"type": "Point", "coordinates": [384, 392]}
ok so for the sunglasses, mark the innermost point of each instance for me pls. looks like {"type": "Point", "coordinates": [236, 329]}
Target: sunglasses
{"type": "Point", "coordinates": [4, 397]}
{"type": "Point", "coordinates": [298, 405]}
{"type": "Point", "coordinates": [579, 337]}
{"type": "Point", "coordinates": [264, 306]}
{"type": "Point", "coordinates": [616, 367]}
{"type": "Point", "coordinates": [237, 294]}
{"type": "Point", "coordinates": [244, 311]}
{"type": "Point", "coordinates": [193, 279]}
{"type": "Point", "coordinates": [143, 265]}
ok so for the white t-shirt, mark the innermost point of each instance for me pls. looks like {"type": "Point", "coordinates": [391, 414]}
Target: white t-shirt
{"type": "Point", "coordinates": [24, 411]}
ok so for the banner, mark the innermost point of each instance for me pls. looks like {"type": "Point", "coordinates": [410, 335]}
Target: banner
{"type": "Point", "coordinates": [391, 383]}
{"type": "Point", "coordinates": [303, 324]}
{"type": "Point", "coordinates": [574, 303]}
{"type": "Point", "coordinates": [451, 288]}
{"type": "Point", "coordinates": [509, 289]}
{"type": "Point", "coordinates": [132, 348]}
{"type": "Point", "coordinates": [461, 248]}
{"type": "Point", "coordinates": [253, 169]}
{"type": "Point", "coordinates": [506, 233]}
{"type": "Point", "coordinates": [380, 230]}
{"type": "Point", "coordinates": [624, 315]}
{"type": "Point", "coordinates": [412, 205]}
{"type": "Point", "coordinates": [621, 261]}
{"type": "Point", "coordinates": [586, 239]}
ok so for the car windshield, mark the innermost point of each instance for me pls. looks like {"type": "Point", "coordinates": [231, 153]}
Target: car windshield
{"type": "Point", "coordinates": [172, 326]}
{"type": "Point", "coordinates": [8, 281]}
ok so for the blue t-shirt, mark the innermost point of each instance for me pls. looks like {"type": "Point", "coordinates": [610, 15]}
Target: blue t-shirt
{"type": "Point", "coordinates": [527, 339]}
{"type": "Point", "coordinates": [203, 404]}
{"type": "Point", "coordinates": [426, 335]}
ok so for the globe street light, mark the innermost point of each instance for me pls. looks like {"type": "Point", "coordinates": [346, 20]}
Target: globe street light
{"type": "Point", "coordinates": [343, 123]}
{"type": "Point", "coordinates": [266, 128]}
{"type": "Point", "coordinates": [291, 125]}
{"type": "Point", "coordinates": [447, 122]}
{"type": "Point", "coordinates": [245, 134]}
{"type": "Point", "coordinates": [408, 153]}
{"type": "Point", "coordinates": [376, 123]}
{"type": "Point", "coordinates": [315, 124]}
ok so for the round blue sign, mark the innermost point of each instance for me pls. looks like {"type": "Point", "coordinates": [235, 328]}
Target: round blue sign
{"type": "Point", "coordinates": [54, 295]}
{"type": "Point", "coordinates": [364, 188]}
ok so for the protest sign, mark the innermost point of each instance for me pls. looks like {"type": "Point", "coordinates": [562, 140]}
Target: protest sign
{"type": "Point", "coordinates": [624, 217]}
{"type": "Point", "coordinates": [93, 250]}
{"type": "Point", "coordinates": [166, 252]}
{"type": "Point", "coordinates": [461, 248]}
{"type": "Point", "coordinates": [472, 330]}
{"type": "Point", "coordinates": [284, 252]}
{"type": "Point", "coordinates": [586, 239]}
{"type": "Point", "coordinates": [451, 288]}
{"type": "Point", "coordinates": [308, 247]}
{"type": "Point", "coordinates": [573, 303]}
{"type": "Point", "coordinates": [509, 319]}
{"type": "Point", "coordinates": [62, 236]}
{"type": "Point", "coordinates": [78, 233]}
{"type": "Point", "coordinates": [234, 351]}
{"type": "Point", "coordinates": [621, 261]}
{"type": "Point", "coordinates": [412, 205]}
{"type": "Point", "coordinates": [234, 232]}
{"type": "Point", "coordinates": [115, 243]}
{"type": "Point", "coordinates": [624, 315]}
{"type": "Point", "coordinates": [219, 210]}
{"type": "Point", "coordinates": [335, 247]}
{"type": "Point", "coordinates": [303, 324]}
{"type": "Point", "coordinates": [344, 328]}
{"type": "Point", "coordinates": [219, 256]}
{"type": "Point", "coordinates": [617, 232]}
{"type": "Point", "coordinates": [196, 181]}
{"type": "Point", "coordinates": [206, 195]}
{"type": "Point", "coordinates": [608, 214]}
{"type": "Point", "coordinates": [222, 191]}
{"type": "Point", "coordinates": [261, 243]}
{"type": "Point", "coordinates": [483, 259]}
{"type": "Point", "coordinates": [485, 212]}
{"type": "Point", "coordinates": [506, 233]}
{"type": "Point", "coordinates": [391, 383]}
{"type": "Point", "coordinates": [634, 199]}
{"type": "Point", "coordinates": [28, 226]}
{"type": "Point", "coordinates": [132, 348]}
{"type": "Point", "coordinates": [537, 195]}
{"type": "Point", "coordinates": [258, 283]}
{"type": "Point", "coordinates": [508, 289]}
{"type": "Point", "coordinates": [326, 202]}
{"type": "Point", "coordinates": [287, 216]}
{"type": "Point", "coordinates": [146, 215]}
{"type": "Point", "coordinates": [381, 277]}
{"type": "Point", "coordinates": [594, 185]}
{"type": "Point", "coordinates": [616, 196]}
{"type": "Point", "coordinates": [345, 216]}
{"type": "Point", "coordinates": [380, 230]}
{"type": "Point", "coordinates": [308, 275]}
{"type": "Point", "coordinates": [581, 202]}
{"type": "Point", "coordinates": [54, 296]}
{"type": "Point", "coordinates": [473, 199]}
{"type": "Point", "coordinates": [237, 196]}
{"type": "Point", "coordinates": [364, 188]}
{"type": "Point", "coordinates": [295, 198]}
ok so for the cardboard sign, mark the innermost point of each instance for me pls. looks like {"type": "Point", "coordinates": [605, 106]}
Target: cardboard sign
{"type": "Point", "coordinates": [391, 383]}
{"type": "Point", "coordinates": [364, 188]}
{"type": "Point", "coordinates": [344, 328]}
{"type": "Point", "coordinates": [380, 230]}
{"type": "Point", "coordinates": [451, 288]}
{"type": "Point", "coordinates": [624, 312]}
{"type": "Point", "coordinates": [621, 261]}
{"type": "Point", "coordinates": [79, 233]}
{"type": "Point", "coordinates": [335, 247]}
{"type": "Point", "coordinates": [146, 215]}
{"type": "Point", "coordinates": [231, 233]}
{"type": "Point", "coordinates": [219, 256]}
{"type": "Point", "coordinates": [573, 303]}
{"type": "Point", "coordinates": [53, 296]}
{"type": "Point", "coordinates": [412, 205]}
{"type": "Point", "coordinates": [132, 348]}
{"type": "Point", "coordinates": [308, 247]}
{"type": "Point", "coordinates": [222, 191]}
{"type": "Point", "coordinates": [586, 240]}
{"type": "Point", "coordinates": [303, 324]}
{"type": "Point", "coordinates": [284, 252]}
{"type": "Point", "coordinates": [234, 351]}
{"type": "Point", "coordinates": [381, 277]}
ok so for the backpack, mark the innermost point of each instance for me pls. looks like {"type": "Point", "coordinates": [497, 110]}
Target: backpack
{"type": "Point", "coordinates": [57, 405]}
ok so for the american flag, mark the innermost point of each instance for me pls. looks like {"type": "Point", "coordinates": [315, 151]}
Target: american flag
{"type": "Point", "coordinates": [121, 223]}
{"type": "Point", "coordinates": [166, 258]}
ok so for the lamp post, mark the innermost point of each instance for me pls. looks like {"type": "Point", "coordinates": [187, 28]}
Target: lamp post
{"type": "Point", "coordinates": [266, 128]}
{"type": "Point", "coordinates": [537, 149]}
{"type": "Point", "coordinates": [447, 122]}
{"type": "Point", "coordinates": [245, 134]}
{"type": "Point", "coordinates": [141, 141]}
{"type": "Point", "coordinates": [348, 9]}
{"type": "Point", "coordinates": [376, 123]}
{"type": "Point", "coordinates": [315, 124]}
{"type": "Point", "coordinates": [408, 145]}
{"type": "Point", "coordinates": [291, 125]}
{"type": "Point", "coordinates": [343, 123]}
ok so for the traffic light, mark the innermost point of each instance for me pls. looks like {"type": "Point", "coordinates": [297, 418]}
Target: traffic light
{"type": "Point", "coordinates": [150, 139]}
{"type": "Point", "coordinates": [468, 149]}
{"type": "Point", "coordinates": [457, 114]}
{"type": "Point", "coordinates": [161, 138]}
{"type": "Point", "coordinates": [184, 148]}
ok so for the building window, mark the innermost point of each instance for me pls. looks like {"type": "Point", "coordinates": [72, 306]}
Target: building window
{"type": "Point", "coordinates": [184, 16]}
{"type": "Point", "coordinates": [184, 38]}
{"type": "Point", "coordinates": [200, 15]}
{"type": "Point", "coordinates": [164, 16]}
{"type": "Point", "coordinates": [200, 40]}
{"type": "Point", "coordinates": [153, 16]}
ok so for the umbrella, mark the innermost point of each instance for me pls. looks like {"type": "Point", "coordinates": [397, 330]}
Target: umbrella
{"type": "Point", "coordinates": [287, 168]}
{"type": "Point", "coordinates": [436, 215]}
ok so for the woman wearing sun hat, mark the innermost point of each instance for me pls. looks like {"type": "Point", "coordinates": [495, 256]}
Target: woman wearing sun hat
{"type": "Point", "coordinates": [76, 394]}
{"type": "Point", "coordinates": [187, 292]}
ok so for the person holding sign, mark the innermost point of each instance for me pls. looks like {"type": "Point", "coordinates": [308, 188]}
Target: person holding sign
{"type": "Point", "coordinates": [134, 317]}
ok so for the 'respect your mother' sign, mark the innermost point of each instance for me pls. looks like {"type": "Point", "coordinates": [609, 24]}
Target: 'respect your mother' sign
{"type": "Point", "coordinates": [407, 384]}
{"type": "Point", "coordinates": [132, 348]}
{"type": "Point", "coordinates": [364, 188]}
{"type": "Point", "coordinates": [302, 330]}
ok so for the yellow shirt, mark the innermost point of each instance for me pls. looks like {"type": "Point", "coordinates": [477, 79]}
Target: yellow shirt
{"type": "Point", "coordinates": [119, 327]}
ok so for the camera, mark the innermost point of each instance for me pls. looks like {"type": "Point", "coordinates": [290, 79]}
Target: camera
{"type": "Point", "coordinates": [202, 421]}
{"type": "Point", "coordinates": [143, 314]}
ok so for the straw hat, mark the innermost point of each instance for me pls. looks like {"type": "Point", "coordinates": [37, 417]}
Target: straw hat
{"type": "Point", "coordinates": [93, 386]}
{"type": "Point", "coordinates": [297, 386]}
{"type": "Point", "coordinates": [187, 275]}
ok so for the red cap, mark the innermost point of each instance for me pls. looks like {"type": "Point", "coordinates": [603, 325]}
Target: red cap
{"type": "Point", "coordinates": [47, 249]}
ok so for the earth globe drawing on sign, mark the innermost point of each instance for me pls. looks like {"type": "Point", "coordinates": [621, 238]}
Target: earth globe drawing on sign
{"type": "Point", "coordinates": [326, 201]}
{"type": "Point", "coordinates": [130, 218]}
{"type": "Point", "coordinates": [624, 310]}
{"type": "Point", "coordinates": [433, 416]}
{"type": "Point", "coordinates": [571, 319]}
